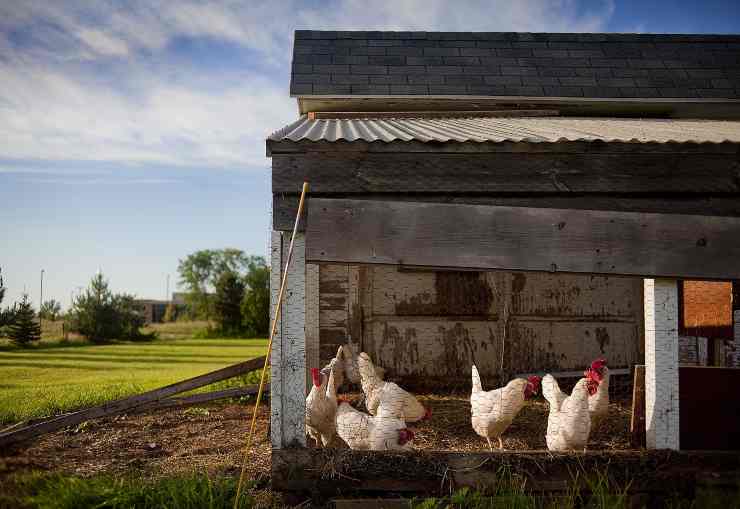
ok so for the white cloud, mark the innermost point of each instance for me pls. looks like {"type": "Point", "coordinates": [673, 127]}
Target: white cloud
{"type": "Point", "coordinates": [91, 81]}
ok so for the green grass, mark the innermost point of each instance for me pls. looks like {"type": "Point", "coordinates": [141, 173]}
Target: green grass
{"type": "Point", "coordinates": [49, 379]}
{"type": "Point", "coordinates": [58, 491]}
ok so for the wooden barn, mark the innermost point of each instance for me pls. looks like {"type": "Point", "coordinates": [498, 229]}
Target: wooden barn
{"type": "Point", "coordinates": [525, 202]}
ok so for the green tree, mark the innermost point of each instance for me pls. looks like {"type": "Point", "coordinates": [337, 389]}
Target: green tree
{"type": "Point", "coordinates": [100, 315]}
{"type": "Point", "coordinates": [50, 310]}
{"type": "Point", "coordinates": [228, 303]}
{"type": "Point", "coordinates": [200, 271]}
{"type": "Point", "coordinates": [256, 303]}
{"type": "Point", "coordinates": [25, 327]}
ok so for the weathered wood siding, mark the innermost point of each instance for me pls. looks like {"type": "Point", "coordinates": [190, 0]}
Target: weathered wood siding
{"type": "Point", "coordinates": [434, 325]}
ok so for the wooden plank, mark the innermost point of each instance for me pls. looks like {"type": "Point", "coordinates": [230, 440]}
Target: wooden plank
{"type": "Point", "coordinates": [285, 205]}
{"type": "Point", "coordinates": [507, 173]}
{"type": "Point", "coordinates": [312, 319]}
{"type": "Point", "coordinates": [205, 397]}
{"type": "Point", "coordinates": [519, 238]}
{"type": "Point", "coordinates": [637, 422]}
{"type": "Point", "coordinates": [125, 404]}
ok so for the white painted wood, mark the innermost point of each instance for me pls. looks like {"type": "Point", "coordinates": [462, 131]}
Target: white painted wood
{"type": "Point", "coordinates": [312, 319]}
{"type": "Point", "coordinates": [288, 361]}
{"type": "Point", "coordinates": [661, 363]}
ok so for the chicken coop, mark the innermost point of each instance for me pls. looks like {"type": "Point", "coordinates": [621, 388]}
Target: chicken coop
{"type": "Point", "coordinates": [525, 203]}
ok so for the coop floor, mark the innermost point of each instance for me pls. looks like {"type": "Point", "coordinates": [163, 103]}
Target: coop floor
{"type": "Point", "coordinates": [449, 428]}
{"type": "Point", "coordinates": [211, 439]}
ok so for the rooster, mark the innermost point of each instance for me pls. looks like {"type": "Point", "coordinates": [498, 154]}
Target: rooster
{"type": "Point", "coordinates": [321, 408]}
{"type": "Point", "coordinates": [493, 411]}
{"type": "Point", "coordinates": [383, 432]}
{"type": "Point", "coordinates": [598, 403]}
{"type": "Point", "coordinates": [569, 421]}
{"type": "Point", "coordinates": [395, 400]}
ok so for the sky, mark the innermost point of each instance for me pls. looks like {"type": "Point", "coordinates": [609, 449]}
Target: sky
{"type": "Point", "coordinates": [132, 132]}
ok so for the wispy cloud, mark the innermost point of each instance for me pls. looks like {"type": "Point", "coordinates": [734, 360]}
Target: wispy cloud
{"type": "Point", "coordinates": [99, 81]}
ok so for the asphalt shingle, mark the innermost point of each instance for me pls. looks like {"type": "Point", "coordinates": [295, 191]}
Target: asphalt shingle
{"type": "Point", "coordinates": [516, 64]}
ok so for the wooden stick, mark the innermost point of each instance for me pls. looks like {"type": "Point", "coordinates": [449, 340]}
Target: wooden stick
{"type": "Point", "coordinates": [122, 405]}
{"type": "Point", "coordinates": [637, 423]}
{"type": "Point", "coordinates": [278, 307]}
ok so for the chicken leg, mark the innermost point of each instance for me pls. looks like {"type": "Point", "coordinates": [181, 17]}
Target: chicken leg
{"type": "Point", "coordinates": [500, 444]}
{"type": "Point", "coordinates": [489, 444]}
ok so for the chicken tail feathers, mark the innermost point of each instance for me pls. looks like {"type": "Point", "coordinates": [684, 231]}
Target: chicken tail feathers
{"type": "Point", "coordinates": [477, 385]}
{"type": "Point", "coordinates": [551, 391]}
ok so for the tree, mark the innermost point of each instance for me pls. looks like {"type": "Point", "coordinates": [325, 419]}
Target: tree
{"type": "Point", "coordinates": [256, 303]}
{"type": "Point", "coordinates": [50, 310]}
{"type": "Point", "coordinates": [170, 313]}
{"type": "Point", "coordinates": [25, 327]}
{"type": "Point", "coordinates": [100, 315]}
{"type": "Point", "coordinates": [200, 271]}
{"type": "Point", "coordinates": [228, 303]}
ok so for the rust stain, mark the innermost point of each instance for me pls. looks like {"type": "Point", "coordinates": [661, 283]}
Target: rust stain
{"type": "Point", "coordinates": [457, 293]}
{"type": "Point", "coordinates": [602, 337]}
{"type": "Point", "coordinates": [405, 350]}
{"type": "Point", "coordinates": [457, 350]}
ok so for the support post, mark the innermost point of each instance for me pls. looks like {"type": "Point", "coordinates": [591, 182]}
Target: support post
{"type": "Point", "coordinates": [736, 323]}
{"type": "Point", "coordinates": [661, 363]}
{"type": "Point", "coordinates": [288, 366]}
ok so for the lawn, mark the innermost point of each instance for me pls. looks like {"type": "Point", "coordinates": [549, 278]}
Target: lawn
{"type": "Point", "coordinates": [39, 382]}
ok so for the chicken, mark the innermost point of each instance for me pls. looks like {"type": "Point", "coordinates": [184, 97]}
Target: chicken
{"type": "Point", "coordinates": [376, 433]}
{"type": "Point", "coordinates": [396, 401]}
{"type": "Point", "coordinates": [569, 421]}
{"type": "Point", "coordinates": [493, 411]}
{"type": "Point", "coordinates": [321, 408]}
{"type": "Point", "coordinates": [337, 366]}
{"type": "Point", "coordinates": [349, 362]}
{"type": "Point", "coordinates": [598, 403]}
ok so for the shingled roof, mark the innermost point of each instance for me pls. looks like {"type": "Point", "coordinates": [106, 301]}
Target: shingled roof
{"type": "Point", "coordinates": [494, 64]}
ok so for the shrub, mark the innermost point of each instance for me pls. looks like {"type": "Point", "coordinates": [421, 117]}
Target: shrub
{"type": "Point", "coordinates": [100, 315]}
{"type": "Point", "coordinates": [25, 328]}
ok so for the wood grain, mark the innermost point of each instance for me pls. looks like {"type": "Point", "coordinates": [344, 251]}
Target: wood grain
{"type": "Point", "coordinates": [520, 238]}
{"type": "Point", "coordinates": [507, 173]}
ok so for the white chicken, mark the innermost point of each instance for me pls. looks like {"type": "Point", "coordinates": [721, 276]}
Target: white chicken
{"type": "Point", "coordinates": [569, 421]}
{"type": "Point", "coordinates": [396, 401]}
{"type": "Point", "coordinates": [382, 432]}
{"type": "Point", "coordinates": [493, 411]}
{"type": "Point", "coordinates": [321, 408]}
{"type": "Point", "coordinates": [598, 403]}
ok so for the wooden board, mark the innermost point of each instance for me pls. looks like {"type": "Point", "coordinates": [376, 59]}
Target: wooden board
{"type": "Point", "coordinates": [124, 404]}
{"type": "Point", "coordinates": [507, 173]}
{"type": "Point", "coordinates": [285, 206]}
{"type": "Point", "coordinates": [519, 238]}
{"type": "Point", "coordinates": [637, 422]}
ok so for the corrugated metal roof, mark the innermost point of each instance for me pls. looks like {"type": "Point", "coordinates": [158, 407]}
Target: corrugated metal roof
{"type": "Point", "coordinates": [497, 130]}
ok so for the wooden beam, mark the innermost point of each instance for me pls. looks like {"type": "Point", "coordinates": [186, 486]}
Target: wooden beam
{"type": "Point", "coordinates": [125, 404]}
{"type": "Point", "coordinates": [200, 398]}
{"type": "Point", "coordinates": [508, 113]}
{"type": "Point", "coordinates": [284, 206]}
{"type": "Point", "coordinates": [434, 172]}
{"type": "Point", "coordinates": [520, 238]}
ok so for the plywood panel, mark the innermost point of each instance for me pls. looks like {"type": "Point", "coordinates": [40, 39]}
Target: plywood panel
{"type": "Point", "coordinates": [574, 295]}
{"type": "Point", "coordinates": [430, 293]}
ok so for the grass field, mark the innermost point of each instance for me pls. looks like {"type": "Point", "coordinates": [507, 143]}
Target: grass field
{"type": "Point", "coordinates": [39, 382]}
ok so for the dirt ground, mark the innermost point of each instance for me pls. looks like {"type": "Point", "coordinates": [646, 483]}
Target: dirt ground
{"type": "Point", "coordinates": [211, 439]}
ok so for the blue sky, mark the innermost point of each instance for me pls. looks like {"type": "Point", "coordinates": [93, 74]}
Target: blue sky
{"type": "Point", "coordinates": [132, 133]}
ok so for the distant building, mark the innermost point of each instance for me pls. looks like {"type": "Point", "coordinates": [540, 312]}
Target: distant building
{"type": "Point", "coordinates": [154, 310]}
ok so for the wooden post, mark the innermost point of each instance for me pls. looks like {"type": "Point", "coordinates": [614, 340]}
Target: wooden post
{"type": "Point", "coordinates": [312, 320]}
{"type": "Point", "coordinates": [661, 364]}
{"type": "Point", "coordinates": [288, 383]}
{"type": "Point", "coordinates": [637, 424]}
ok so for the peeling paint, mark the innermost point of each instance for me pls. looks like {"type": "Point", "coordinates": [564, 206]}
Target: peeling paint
{"type": "Point", "coordinates": [456, 293]}
{"type": "Point", "coordinates": [602, 337]}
